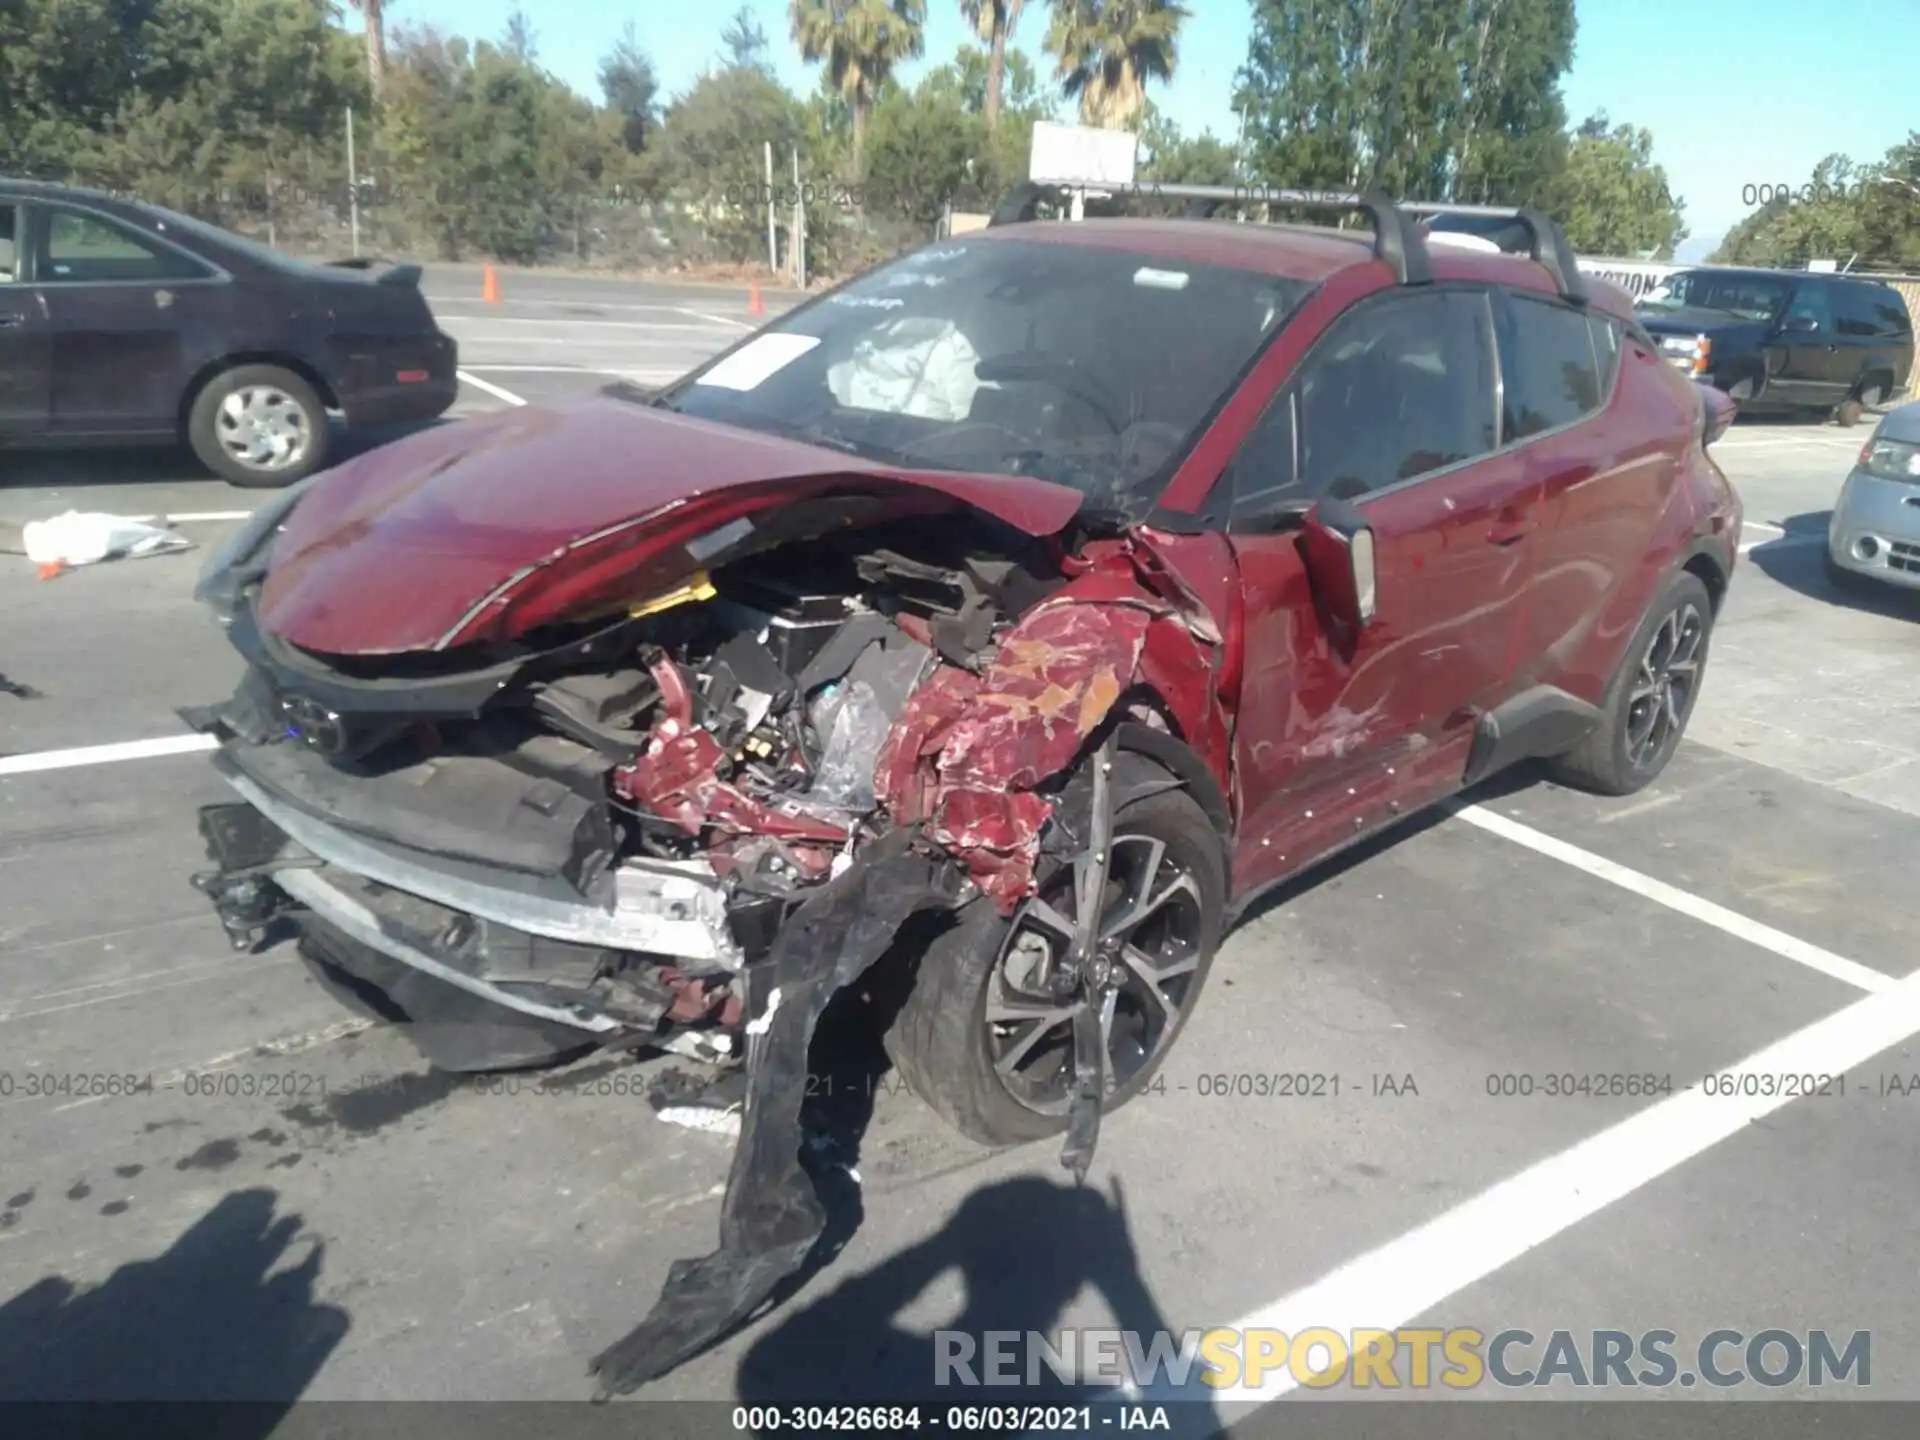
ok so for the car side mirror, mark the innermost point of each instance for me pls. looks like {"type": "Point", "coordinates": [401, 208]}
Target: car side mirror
{"type": "Point", "coordinates": [1338, 545]}
{"type": "Point", "coordinates": [1800, 325]}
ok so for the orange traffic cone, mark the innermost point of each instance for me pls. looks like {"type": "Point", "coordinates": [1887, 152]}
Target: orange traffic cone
{"type": "Point", "coordinates": [755, 305]}
{"type": "Point", "coordinates": [490, 287]}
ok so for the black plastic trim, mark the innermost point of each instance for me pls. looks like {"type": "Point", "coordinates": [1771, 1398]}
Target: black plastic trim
{"type": "Point", "coordinates": [1544, 720]}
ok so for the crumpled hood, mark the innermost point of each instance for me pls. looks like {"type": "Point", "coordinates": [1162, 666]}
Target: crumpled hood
{"type": "Point", "coordinates": [440, 539]}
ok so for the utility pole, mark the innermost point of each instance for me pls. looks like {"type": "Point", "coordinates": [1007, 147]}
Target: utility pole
{"type": "Point", "coordinates": [353, 187]}
{"type": "Point", "coordinates": [773, 255]}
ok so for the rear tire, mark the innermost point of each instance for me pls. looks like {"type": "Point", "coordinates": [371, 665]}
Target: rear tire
{"type": "Point", "coordinates": [260, 427]}
{"type": "Point", "coordinates": [1643, 716]}
{"type": "Point", "coordinates": [1848, 413]}
{"type": "Point", "coordinates": [941, 1038]}
{"type": "Point", "coordinates": [1874, 390]}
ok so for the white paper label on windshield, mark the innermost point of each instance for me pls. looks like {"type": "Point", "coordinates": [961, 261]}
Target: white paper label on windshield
{"type": "Point", "coordinates": [754, 361]}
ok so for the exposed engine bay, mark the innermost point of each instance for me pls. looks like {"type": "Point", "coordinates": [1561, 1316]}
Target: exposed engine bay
{"type": "Point", "coordinates": [684, 820]}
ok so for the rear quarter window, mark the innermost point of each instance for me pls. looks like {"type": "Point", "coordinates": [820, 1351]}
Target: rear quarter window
{"type": "Point", "coordinates": [1550, 372]}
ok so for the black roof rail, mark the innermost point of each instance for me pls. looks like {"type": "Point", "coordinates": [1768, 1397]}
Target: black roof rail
{"type": "Point", "coordinates": [1546, 241]}
{"type": "Point", "coordinates": [1394, 241]}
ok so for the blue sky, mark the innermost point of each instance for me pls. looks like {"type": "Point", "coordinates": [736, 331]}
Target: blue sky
{"type": "Point", "coordinates": [1736, 92]}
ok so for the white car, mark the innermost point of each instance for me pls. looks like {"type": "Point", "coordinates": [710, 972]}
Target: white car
{"type": "Point", "coordinates": [1874, 534]}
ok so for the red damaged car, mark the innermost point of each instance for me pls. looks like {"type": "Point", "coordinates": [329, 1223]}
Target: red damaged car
{"type": "Point", "coordinates": [1011, 616]}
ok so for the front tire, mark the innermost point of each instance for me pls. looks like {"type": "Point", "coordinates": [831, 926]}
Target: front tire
{"type": "Point", "coordinates": [980, 1038]}
{"type": "Point", "coordinates": [1650, 698]}
{"type": "Point", "coordinates": [1848, 582]}
{"type": "Point", "coordinates": [259, 427]}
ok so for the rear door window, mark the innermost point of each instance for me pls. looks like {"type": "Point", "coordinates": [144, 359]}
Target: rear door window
{"type": "Point", "coordinates": [10, 233]}
{"type": "Point", "coordinates": [1853, 311]}
{"type": "Point", "coordinates": [1550, 374]}
{"type": "Point", "coordinates": [85, 249]}
{"type": "Point", "coordinates": [1890, 313]}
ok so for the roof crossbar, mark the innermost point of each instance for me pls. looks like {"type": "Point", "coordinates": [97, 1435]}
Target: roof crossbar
{"type": "Point", "coordinates": [1396, 239]}
{"type": "Point", "coordinates": [1546, 241]}
{"type": "Point", "coordinates": [1393, 240]}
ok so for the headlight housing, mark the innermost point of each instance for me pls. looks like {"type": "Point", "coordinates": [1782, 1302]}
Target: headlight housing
{"type": "Point", "coordinates": [1690, 352]}
{"type": "Point", "coordinates": [1891, 460]}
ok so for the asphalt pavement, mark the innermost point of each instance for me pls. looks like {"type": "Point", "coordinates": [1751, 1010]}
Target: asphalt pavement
{"type": "Point", "coordinates": [291, 1205]}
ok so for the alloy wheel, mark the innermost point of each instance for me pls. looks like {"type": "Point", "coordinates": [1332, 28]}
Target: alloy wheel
{"type": "Point", "coordinates": [1664, 685]}
{"type": "Point", "coordinates": [263, 428]}
{"type": "Point", "coordinates": [1140, 974]}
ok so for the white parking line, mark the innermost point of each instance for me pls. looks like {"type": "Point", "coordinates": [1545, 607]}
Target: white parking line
{"type": "Point", "coordinates": [716, 319]}
{"type": "Point", "coordinates": [489, 387]}
{"type": "Point", "coordinates": [621, 371]}
{"type": "Point", "coordinates": [207, 515]}
{"type": "Point", "coordinates": [1782, 542]}
{"type": "Point", "coordinates": [538, 370]}
{"type": "Point", "coordinates": [103, 754]}
{"type": "Point", "coordinates": [1739, 926]}
{"type": "Point", "coordinates": [1831, 442]}
{"type": "Point", "coordinates": [1404, 1279]}
{"type": "Point", "coordinates": [572, 306]}
{"type": "Point", "coordinates": [593, 324]}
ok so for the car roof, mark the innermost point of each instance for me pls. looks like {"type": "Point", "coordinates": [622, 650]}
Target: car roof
{"type": "Point", "coordinates": [1296, 252]}
{"type": "Point", "coordinates": [1784, 274]}
{"type": "Point", "coordinates": [47, 190]}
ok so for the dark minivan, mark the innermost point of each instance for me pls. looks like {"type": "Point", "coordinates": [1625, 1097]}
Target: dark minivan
{"type": "Point", "coordinates": [1785, 341]}
{"type": "Point", "coordinates": [122, 322]}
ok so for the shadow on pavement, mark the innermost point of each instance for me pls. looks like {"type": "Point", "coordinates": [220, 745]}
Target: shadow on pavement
{"type": "Point", "coordinates": [218, 1316]}
{"type": "Point", "coordinates": [1795, 560]}
{"type": "Point", "coordinates": [1023, 1248]}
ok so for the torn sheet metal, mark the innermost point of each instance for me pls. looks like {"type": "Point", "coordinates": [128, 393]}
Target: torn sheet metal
{"type": "Point", "coordinates": [678, 778]}
{"type": "Point", "coordinates": [772, 1216]}
{"type": "Point", "coordinates": [994, 739]}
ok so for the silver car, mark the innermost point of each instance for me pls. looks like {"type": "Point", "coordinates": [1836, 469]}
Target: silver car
{"type": "Point", "coordinates": [1875, 530]}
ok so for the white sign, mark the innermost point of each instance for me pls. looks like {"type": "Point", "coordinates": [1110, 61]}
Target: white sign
{"type": "Point", "coordinates": [1081, 155]}
{"type": "Point", "coordinates": [1636, 277]}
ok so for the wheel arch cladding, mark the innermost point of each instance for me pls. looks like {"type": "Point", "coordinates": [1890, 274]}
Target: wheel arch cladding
{"type": "Point", "coordinates": [214, 369]}
{"type": "Point", "coordinates": [1707, 567]}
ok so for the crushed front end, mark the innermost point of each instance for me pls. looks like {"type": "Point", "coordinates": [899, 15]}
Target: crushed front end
{"type": "Point", "coordinates": [585, 836]}
{"type": "Point", "coordinates": [680, 822]}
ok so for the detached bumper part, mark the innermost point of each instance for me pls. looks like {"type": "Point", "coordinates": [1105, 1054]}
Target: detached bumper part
{"type": "Point", "coordinates": [772, 1218]}
{"type": "Point", "coordinates": [474, 991]}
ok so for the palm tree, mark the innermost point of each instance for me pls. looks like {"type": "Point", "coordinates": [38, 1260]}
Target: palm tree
{"type": "Point", "coordinates": [860, 41]}
{"type": "Point", "coordinates": [1108, 50]}
{"type": "Point", "coordinates": [993, 22]}
{"type": "Point", "coordinates": [375, 14]}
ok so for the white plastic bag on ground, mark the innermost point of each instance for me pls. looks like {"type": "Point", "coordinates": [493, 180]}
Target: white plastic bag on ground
{"type": "Point", "coordinates": [82, 538]}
